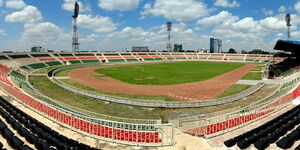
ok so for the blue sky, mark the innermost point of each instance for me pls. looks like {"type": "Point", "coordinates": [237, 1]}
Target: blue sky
{"type": "Point", "coordinates": [120, 24]}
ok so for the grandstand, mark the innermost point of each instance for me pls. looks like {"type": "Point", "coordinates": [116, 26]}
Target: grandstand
{"type": "Point", "coordinates": [18, 128]}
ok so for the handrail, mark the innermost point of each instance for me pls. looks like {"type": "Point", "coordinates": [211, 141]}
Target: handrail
{"type": "Point", "coordinates": [149, 103]}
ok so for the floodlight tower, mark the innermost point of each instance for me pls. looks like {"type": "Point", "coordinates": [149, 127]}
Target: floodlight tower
{"type": "Point", "coordinates": [75, 44]}
{"type": "Point", "coordinates": [288, 24]}
{"type": "Point", "coordinates": [169, 27]}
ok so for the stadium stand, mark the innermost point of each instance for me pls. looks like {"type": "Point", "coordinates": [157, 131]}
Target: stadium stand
{"type": "Point", "coordinates": [53, 63]}
{"type": "Point", "coordinates": [74, 61]}
{"type": "Point", "coordinates": [270, 132]}
{"type": "Point", "coordinates": [178, 56]}
{"type": "Point", "coordinates": [34, 132]}
{"type": "Point", "coordinates": [234, 57]}
{"type": "Point", "coordinates": [130, 133]}
{"type": "Point", "coordinates": [37, 66]}
{"type": "Point", "coordinates": [216, 57]}
{"type": "Point", "coordinates": [114, 131]}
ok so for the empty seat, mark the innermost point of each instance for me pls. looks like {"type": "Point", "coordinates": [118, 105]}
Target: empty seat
{"type": "Point", "coordinates": [23, 132]}
{"type": "Point", "coordinates": [25, 147]}
{"type": "Point", "coordinates": [298, 147]}
{"type": "Point", "coordinates": [14, 142]}
{"type": "Point", "coordinates": [271, 138]}
{"type": "Point", "coordinates": [295, 135]}
{"type": "Point", "coordinates": [243, 144]}
{"type": "Point", "coordinates": [262, 144]}
{"type": "Point", "coordinates": [41, 145]}
{"type": "Point", "coordinates": [16, 125]}
{"type": "Point", "coordinates": [31, 138]}
{"type": "Point", "coordinates": [252, 139]}
{"type": "Point", "coordinates": [230, 143]}
{"type": "Point", "coordinates": [285, 143]}
{"type": "Point", "coordinates": [7, 133]}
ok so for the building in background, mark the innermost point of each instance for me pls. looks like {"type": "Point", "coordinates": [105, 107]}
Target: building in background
{"type": "Point", "coordinates": [215, 45]}
{"type": "Point", "coordinates": [37, 49]}
{"type": "Point", "coordinates": [178, 48]}
{"type": "Point", "coordinates": [140, 49]}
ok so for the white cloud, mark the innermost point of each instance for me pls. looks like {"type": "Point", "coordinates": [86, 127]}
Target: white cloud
{"type": "Point", "coordinates": [28, 14]}
{"type": "Point", "coordinates": [2, 32]}
{"type": "Point", "coordinates": [45, 34]}
{"type": "Point", "coordinates": [297, 7]}
{"type": "Point", "coordinates": [155, 38]}
{"type": "Point", "coordinates": [281, 9]}
{"type": "Point", "coordinates": [273, 24]}
{"type": "Point", "coordinates": [97, 23]}
{"type": "Point", "coordinates": [1, 2]}
{"type": "Point", "coordinates": [68, 5]}
{"type": "Point", "coordinates": [15, 4]}
{"type": "Point", "coordinates": [176, 9]}
{"type": "Point", "coordinates": [226, 3]}
{"type": "Point", "coordinates": [223, 17]}
{"type": "Point", "coordinates": [247, 33]}
{"type": "Point", "coordinates": [90, 38]}
{"type": "Point", "coordinates": [267, 12]}
{"type": "Point", "coordinates": [121, 5]}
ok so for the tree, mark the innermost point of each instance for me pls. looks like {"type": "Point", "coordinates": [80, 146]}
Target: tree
{"type": "Point", "coordinates": [231, 50]}
{"type": "Point", "coordinates": [258, 51]}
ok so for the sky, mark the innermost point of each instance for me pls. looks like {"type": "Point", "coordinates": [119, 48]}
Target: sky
{"type": "Point", "coordinates": [117, 25]}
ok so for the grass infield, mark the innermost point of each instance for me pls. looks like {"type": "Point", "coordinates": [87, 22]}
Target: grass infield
{"type": "Point", "coordinates": [234, 89]}
{"type": "Point", "coordinates": [252, 76]}
{"type": "Point", "coordinates": [169, 73]}
{"type": "Point", "coordinates": [50, 89]}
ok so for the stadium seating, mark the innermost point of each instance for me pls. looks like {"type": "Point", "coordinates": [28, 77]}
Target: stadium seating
{"type": "Point", "coordinates": [35, 133]}
{"type": "Point", "coordinates": [37, 66]}
{"type": "Point", "coordinates": [270, 132]}
{"type": "Point", "coordinates": [143, 133]}
{"type": "Point", "coordinates": [53, 63]}
{"type": "Point", "coordinates": [74, 61]}
{"type": "Point", "coordinates": [115, 60]}
{"type": "Point", "coordinates": [90, 61]}
{"type": "Point", "coordinates": [25, 68]}
{"type": "Point", "coordinates": [68, 58]}
{"type": "Point", "coordinates": [47, 59]}
{"type": "Point", "coordinates": [216, 57]}
{"type": "Point", "coordinates": [108, 129]}
{"type": "Point", "coordinates": [20, 79]}
{"type": "Point", "coordinates": [179, 56]}
{"type": "Point", "coordinates": [234, 57]}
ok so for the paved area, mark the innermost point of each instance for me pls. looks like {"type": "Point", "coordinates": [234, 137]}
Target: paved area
{"type": "Point", "coordinates": [248, 82]}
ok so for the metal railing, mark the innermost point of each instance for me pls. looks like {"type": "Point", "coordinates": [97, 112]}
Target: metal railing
{"type": "Point", "coordinates": [276, 101]}
{"type": "Point", "coordinates": [165, 131]}
{"type": "Point", "coordinates": [153, 104]}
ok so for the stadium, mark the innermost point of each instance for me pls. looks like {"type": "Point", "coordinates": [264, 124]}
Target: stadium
{"type": "Point", "coordinates": [144, 99]}
{"type": "Point", "coordinates": [76, 98]}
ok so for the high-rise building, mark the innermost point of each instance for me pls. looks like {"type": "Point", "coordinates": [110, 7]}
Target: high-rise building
{"type": "Point", "coordinates": [215, 45]}
{"type": "Point", "coordinates": [178, 48]}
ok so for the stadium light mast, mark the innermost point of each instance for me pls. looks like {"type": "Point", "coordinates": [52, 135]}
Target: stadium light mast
{"type": "Point", "coordinates": [75, 44]}
{"type": "Point", "coordinates": [288, 24]}
{"type": "Point", "coordinates": [169, 27]}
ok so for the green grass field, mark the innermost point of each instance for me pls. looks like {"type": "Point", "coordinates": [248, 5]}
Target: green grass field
{"type": "Point", "coordinates": [234, 89]}
{"type": "Point", "coordinates": [64, 73]}
{"type": "Point", "coordinates": [169, 73]}
{"type": "Point", "coordinates": [50, 89]}
{"type": "Point", "coordinates": [252, 76]}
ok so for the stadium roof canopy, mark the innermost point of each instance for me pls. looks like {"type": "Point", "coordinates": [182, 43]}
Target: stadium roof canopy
{"type": "Point", "coordinates": [287, 45]}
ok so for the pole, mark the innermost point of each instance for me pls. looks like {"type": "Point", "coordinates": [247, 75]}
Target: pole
{"type": "Point", "coordinates": [75, 44]}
